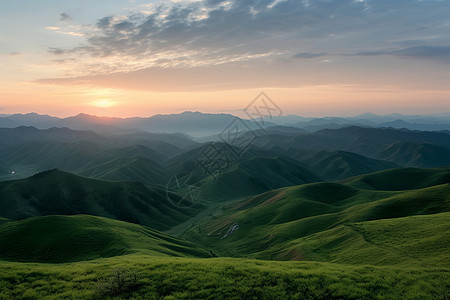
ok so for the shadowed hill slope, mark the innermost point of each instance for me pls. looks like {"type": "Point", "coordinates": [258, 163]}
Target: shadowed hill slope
{"type": "Point", "coordinates": [57, 239]}
{"type": "Point", "coordinates": [57, 192]}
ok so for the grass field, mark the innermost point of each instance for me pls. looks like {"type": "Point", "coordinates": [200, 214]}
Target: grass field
{"type": "Point", "coordinates": [217, 278]}
{"type": "Point", "coordinates": [364, 238]}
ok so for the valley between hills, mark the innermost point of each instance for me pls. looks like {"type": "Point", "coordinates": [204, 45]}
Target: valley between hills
{"type": "Point", "coordinates": [345, 213]}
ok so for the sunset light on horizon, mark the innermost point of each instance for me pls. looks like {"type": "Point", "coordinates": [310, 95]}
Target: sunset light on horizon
{"type": "Point", "coordinates": [128, 58]}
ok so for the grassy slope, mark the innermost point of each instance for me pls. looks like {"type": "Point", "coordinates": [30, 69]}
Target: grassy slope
{"type": "Point", "coordinates": [32, 157]}
{"type": "Point", "coordinates": [417, 240]}
{"type": "Point", "coordinates": [321, 221]}
{"type": "Point", "coordinates": [134, 163]}
{"type": "Point", "coordinates": [336, 165]}
{"type": "Point", "coordinates": [82, 237]}
{"type": "Point", "coordinates": [401, 179]}
{"type": "Point", "coordinates": [56, 192]}
{"type": "Point", "coordinates": [416, 155]}
{"type": "Point", "coordinates": [281, 216]}
{"type": "Point", "coordinates": [254, 176]}
{"type": "Point", "coordinates": [139, 169]}
{"type": "Point", "coordinates": [219, 278]}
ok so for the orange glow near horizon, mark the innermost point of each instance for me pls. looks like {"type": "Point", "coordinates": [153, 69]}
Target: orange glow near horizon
{"type": "Point", "coordinates": [103, 103]}
{"type": "Point", "coordinates": [325, 100]}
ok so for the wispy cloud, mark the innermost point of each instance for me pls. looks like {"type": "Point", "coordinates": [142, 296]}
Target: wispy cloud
{"type": "Point", "coordinates": [193, 34]}
{"type": "Point", "coordinates": [65, 31]}
{"type": "Point", "coordinates": [437, 53]}
{"type": "Point", "coordinates": [309, 55]}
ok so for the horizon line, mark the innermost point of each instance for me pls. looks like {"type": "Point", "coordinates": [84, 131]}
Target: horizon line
{"type": "Point", "coordinates": [219, 113]}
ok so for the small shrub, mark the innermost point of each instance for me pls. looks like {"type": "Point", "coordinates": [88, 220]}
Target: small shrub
{"type": "Point", "coordinates": [120, 282]}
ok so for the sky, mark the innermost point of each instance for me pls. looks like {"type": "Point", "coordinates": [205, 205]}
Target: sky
{"type": "Point", "coordinates": [139, 58]}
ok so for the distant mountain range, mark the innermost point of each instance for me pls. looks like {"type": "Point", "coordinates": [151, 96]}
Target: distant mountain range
{"type": "Point", "coordinates": [201, 125]}
{"type": "Point", "coordinates": [400, 146]}
{"type": "Point", "coordinates": [330, 154]}
{"type": "Point", "coordinates": [191, 123]}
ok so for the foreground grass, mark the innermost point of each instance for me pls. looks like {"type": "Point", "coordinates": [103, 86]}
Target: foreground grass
{"type": "Point", "coordinates": [219, 278]}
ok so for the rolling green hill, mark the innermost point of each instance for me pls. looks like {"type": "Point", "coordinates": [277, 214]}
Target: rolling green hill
{"type": "Point", "coordinates": [27, 150]}
{"type": "Point", "coordinates": [56, 239]}
{"type": "Point", "coordinates": [337, 165]}
{"type": "Point", "coordinates": [254, 176]}
{"type": "Point", "coordinates": [241, 178]}
{"type": "Point", "coordinates": [416, 155]}
{"type": "Point", "coordinates": [57, 192]}
{"type": "Point", "coordinates": [256, 226]}
{"type": "Point", "coordinates": [417, 240]}
{"type": "Point", "coordinates": [5, 170]}
{"type": "Point", "coordinates": [401, 179]}
{"type": "Point", "coordinates": [32, 157]}
{"type": "Point", "coordinates": [84, 158]}
{"type": "Point", "coordinates": [404, 147]}
{"type": "Point", "coordinates": [376, 236]}
{"type": "Point", "coordinates": [135, 168]}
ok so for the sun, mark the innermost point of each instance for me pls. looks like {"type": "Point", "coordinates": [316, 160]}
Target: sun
{"type": "Point", "coordinates": [103, 103]}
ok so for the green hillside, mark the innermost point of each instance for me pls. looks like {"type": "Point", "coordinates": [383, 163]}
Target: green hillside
{"type": "Point", "coordinates": [57, 239]}
{"type": "Point", "coordinates": [254, 176]}
{"type": "Point", "coordinates": [5, 171]}
{"type": "Point", "coordinates": [378, 236]}
{"type": "Point", "coordinates": [125, 152]}
{"type": "Point", "coordinates": [402, 147]}
{"type": "Point", "coordinates": [133, 163]}
{"type": "Point", "coordinates": [31, 157]}
{"type": "Point", "coordinates": [416, 155]}
{"type": "Point", "coordinates": [256, 226]}
{"type": "Point", "coordinates": [56, 192]}
{"type": "Point", "coordinates": [418, 240]}
{"type": "Point", "coordinates": [335, 165]}
{"type": "Point", "coordinates": [125, 169]}
{"type": "Point", "coordinates": [402, 179]}
{"type": "Point", "coordinates": [340, 164]}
